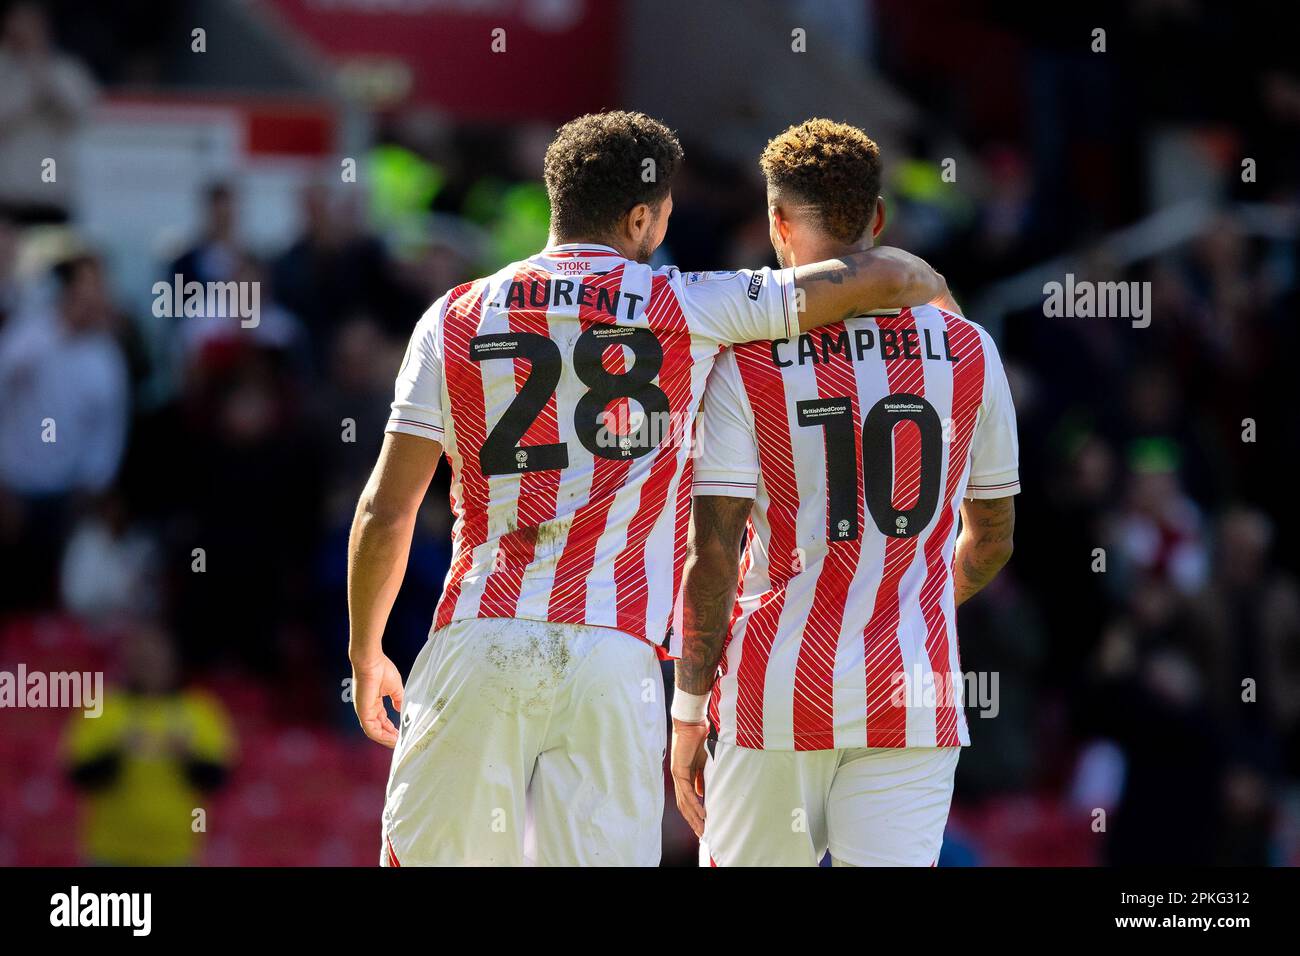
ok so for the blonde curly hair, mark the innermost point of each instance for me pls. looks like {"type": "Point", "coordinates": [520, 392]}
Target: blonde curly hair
{"type": "Point", "coordinates": [832, 167]}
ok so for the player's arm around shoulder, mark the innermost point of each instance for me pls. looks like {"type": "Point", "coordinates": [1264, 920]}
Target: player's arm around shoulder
{"type": "Point", "coordinates": [377, 552]}
{"type": "Point", "coordinates": [880, 278]}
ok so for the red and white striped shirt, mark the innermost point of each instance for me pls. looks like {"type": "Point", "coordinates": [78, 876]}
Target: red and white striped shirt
{"type": "Point", "coordinates": [857, 442]}
{"type": "Point", "coordinates": [563, 389]}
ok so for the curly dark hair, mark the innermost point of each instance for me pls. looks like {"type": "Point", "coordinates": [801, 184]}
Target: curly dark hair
{"type": "Point", "coordinates": [833, 167]}
{"type": "Point", "coordinates": [596, 170]}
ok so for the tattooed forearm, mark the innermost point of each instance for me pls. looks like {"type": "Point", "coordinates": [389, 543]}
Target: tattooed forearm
{"type": "Point", "coordinates": [837, 271]}
{"type": "Point", "coordinates": [709, 587]}
{"type": "Point", "coordinates": [879, 278]}
{"type": "Point", "coordinates": [985, 544]}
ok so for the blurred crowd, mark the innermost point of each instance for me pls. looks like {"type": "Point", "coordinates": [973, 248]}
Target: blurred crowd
{"type": "Point", "coordinates": [187, 497]}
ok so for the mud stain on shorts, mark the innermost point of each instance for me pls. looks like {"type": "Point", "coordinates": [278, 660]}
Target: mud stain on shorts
{"type": "Point", "coordinates": [530, 666]}
{"type": "Point", "coordinates": [427, 730]}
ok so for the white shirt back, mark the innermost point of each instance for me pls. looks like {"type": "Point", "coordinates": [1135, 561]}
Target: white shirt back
{"type": "Point", "coordinates": [563, 389]}
{"type": "Point", "coordinates": [857, 442]}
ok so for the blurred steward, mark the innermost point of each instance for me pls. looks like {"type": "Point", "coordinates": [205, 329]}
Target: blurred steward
{"type": "Point", "coordinates": [149, 762]}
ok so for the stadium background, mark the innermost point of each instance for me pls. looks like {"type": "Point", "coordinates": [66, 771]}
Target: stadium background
{"type": "Point", "coordinates": [226, 155]}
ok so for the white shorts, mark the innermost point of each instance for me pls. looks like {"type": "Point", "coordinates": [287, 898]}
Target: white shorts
{"type": "Point", "coordinates": [510, 720]}
{"type": "Point", "coordinates": [870, 807]}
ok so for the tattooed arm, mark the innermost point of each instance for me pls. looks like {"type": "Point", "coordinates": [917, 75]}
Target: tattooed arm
{"type": "Point", "coordinates": [709, 586]}
{"type": "Point", "coordinates": [879, 278]}
{"type": "Point", "coordinates": [984, 544]}
{"type": "Point", "coordinates": [708, 597]}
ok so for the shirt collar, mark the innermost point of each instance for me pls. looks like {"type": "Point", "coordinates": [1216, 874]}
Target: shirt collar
{"type": "Point", "coordinates": [579, 249]}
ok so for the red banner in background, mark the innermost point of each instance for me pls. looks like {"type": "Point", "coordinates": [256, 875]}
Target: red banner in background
{"type": "Point", "coordinates": [475, 59]}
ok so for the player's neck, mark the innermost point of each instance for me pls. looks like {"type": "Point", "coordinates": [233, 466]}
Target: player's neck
{"type": "Point", "coordinates": [556, 240]}
{"type": "Point", "coordinates": [821, 251]}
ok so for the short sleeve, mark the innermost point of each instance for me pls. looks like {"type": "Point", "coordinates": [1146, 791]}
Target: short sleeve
{"type": "Point", "coordinates": [995, 449]}
{"type": "Point", "coordinates": [726, 453]}
{"type": "Point", "coordinates": [749, 305]}
{"type": "Point", "coordinates": [417, 399]}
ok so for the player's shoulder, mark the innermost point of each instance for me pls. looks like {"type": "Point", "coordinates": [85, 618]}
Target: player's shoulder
{"type": "Point", "coordinates": [463, 296]}
{"type": "Point", "coordinates": [932, 312]}
{"type": "Point", "coordinates": [696, 292]}
{"type": "Point", "coordinates": [957, 326]}
{"type": "Point", "coordinates": [452, 296]}
{"type": "Point", "coordinates": [431, 319]}
{"type": "Point", "coordinates": [677, 280]}
{"type": "Point", "coordinates": [710, 280]}
{"type": "Point", "coordinates": [706, 275]}
{"type": "Point", "coordinates": [951, 318]}
{"type": "Point", "coordinates": [519, 271]}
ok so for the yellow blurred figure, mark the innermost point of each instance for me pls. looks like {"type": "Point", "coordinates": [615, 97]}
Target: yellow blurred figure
{"type": "Point", "coordinates": [145, 765]}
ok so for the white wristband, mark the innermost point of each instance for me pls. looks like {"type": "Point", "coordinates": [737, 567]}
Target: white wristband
{"type": "Point", "coordinates": [689, 708]}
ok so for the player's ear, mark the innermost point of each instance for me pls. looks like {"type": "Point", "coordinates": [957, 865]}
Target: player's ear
{"type": "Point", "coordinates": [878, 219]}
{"type": "Point", "coordinates": [780, 223]}
{"type": "Point", "coordinates": [638, 222]}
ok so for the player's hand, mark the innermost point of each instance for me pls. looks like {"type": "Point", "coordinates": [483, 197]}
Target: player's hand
{"type": "Point", "coordinates": [372, 681]}
{"type": "Point", "coordinates": [687, 766]}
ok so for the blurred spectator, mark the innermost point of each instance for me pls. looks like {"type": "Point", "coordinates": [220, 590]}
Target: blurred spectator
{"type": "Point", "coordinates": [269, 326]}
{"type": "Point", "coordinates": [1004, 219]}
{"type": "Point", "coordinates": [1248, 620]}
{"type": "Point", "coordinates": [358, 391]}
{"type": "Point", "coordinates": [10, 291]}
{"type": "Point", "coordinates": [332, 271]}
{"type": "Point", "coordinates": [217, 254]}
{"type": "Point", "coordinates": [1152, 704]}
{"type": "Point", "coordinates": [146, 765]}
{"type": "Point", "coordinates": [44, 96]}
{"type": "Point", "coordinates": [110, 565]}
{"type": "Point", "coordinates": [447, 260]}
{"type": "Point", "coordinates": [65, 396]}
{"type": "Point", "coordinates": [63, 385]}
{"type": "Point", "coordinates": [1249, 809]}
{"type": "Point", "coordinates": [1159, 530]}
{"type": "Point", "coordinates": [1002, 639]}
{"type": "Point", "coordinates": [253, 484]}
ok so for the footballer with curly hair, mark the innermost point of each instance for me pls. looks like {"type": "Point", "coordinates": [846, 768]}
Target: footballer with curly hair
{"type": "Point", "coordinates": [851, 449]}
